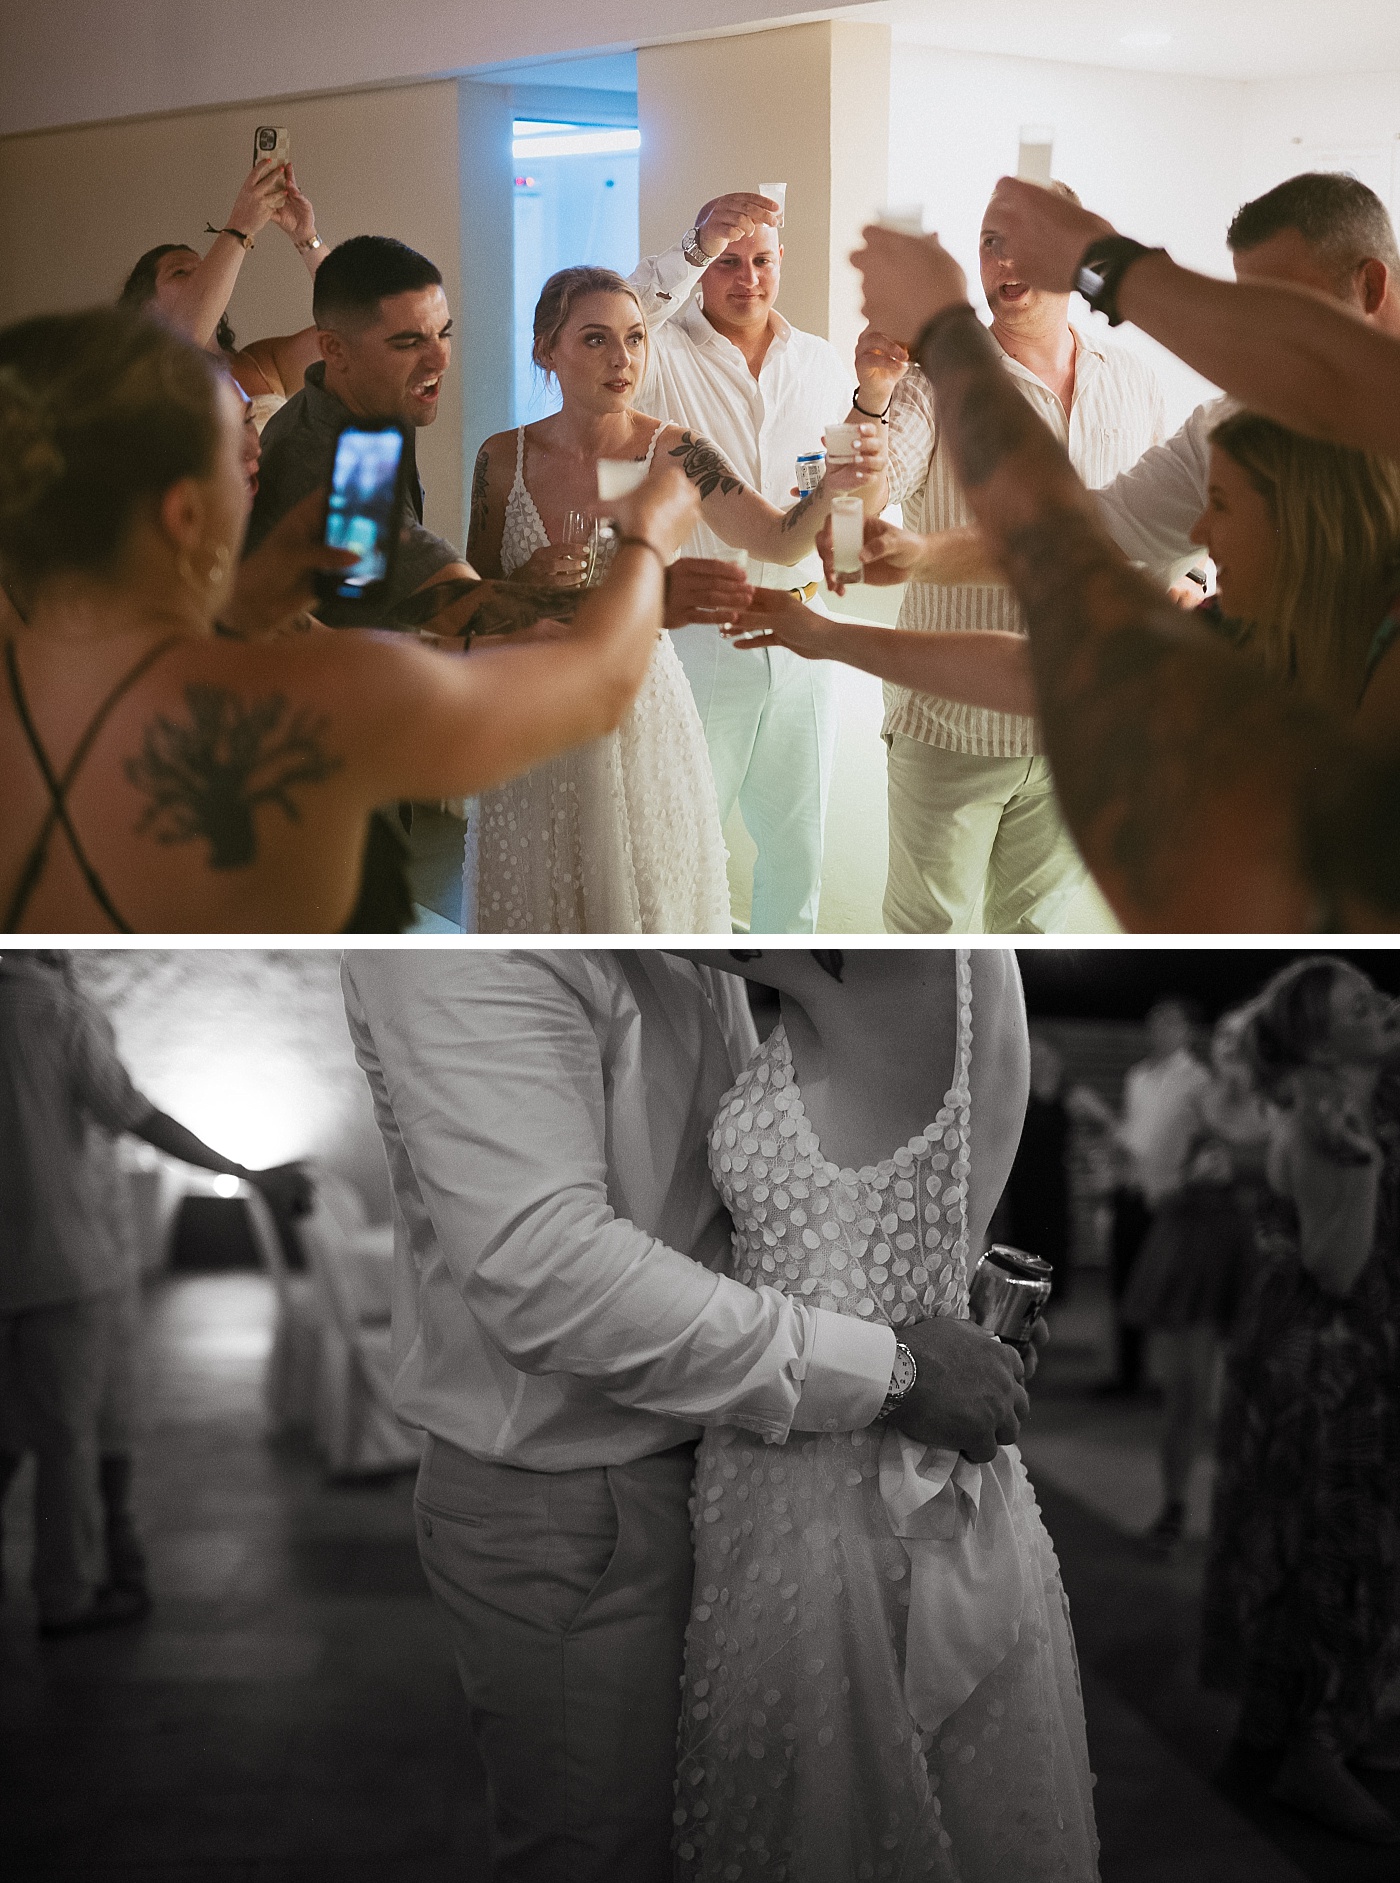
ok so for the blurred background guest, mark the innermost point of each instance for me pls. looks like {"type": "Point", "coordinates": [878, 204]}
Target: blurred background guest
{"type": "Point", "coordinates": [66, 1313]}
{"type": "Point", "coordinates": [192, 291]}
{"type": "Point", "coordinates": [1186, 1282]}
{"type": "Point", "coordinates": [1302, 1594]}
{"type": "Point", "coordinates": [1152, 1139]}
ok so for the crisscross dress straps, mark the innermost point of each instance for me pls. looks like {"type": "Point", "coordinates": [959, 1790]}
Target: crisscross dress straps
{"type": "Point", "coordinates": [58, 788]}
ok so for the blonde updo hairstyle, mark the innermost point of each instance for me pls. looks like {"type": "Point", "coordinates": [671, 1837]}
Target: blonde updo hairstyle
{"type": "Point", "coordinates": [100, 413]}
{"type": "Point", "coordinates": [558, 298]}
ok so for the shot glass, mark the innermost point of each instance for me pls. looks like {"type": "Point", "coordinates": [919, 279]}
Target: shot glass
{"type": "Point", "coordinates": [618, 476]}
{"type": "Point", "coordinates": [1037, 149]}
{"type": "Point", "coordinates": [778, 193]}
{"type": "Point", "coordinates": [841, 441]}
{"type": "Point", "coordinates": [847, 538]}
{"type": "Point", "coordinates": [902, 218]}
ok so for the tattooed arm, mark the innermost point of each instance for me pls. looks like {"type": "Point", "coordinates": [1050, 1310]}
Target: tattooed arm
{"type": "Point", "coordinates": [1202, 795]}
{"type": "Point", "coordinates": [470, 607]}
{"type": "Point", "coordinates": [740, 516]}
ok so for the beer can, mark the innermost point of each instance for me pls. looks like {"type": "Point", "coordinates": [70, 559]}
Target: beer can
{"type": "Point", "coordinates": [811, 469]}
{"type": "Point", "coordinates": [1008, 1289]}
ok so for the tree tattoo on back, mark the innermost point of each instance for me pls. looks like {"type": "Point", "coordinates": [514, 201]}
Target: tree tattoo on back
{"type": "Point", "coordinates": [705, 466]}
{"type": "Point", "coordinates": [205, 776]}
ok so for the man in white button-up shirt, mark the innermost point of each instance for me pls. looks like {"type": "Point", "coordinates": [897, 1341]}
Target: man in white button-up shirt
{"type": "Point", "coordinates": [724, 362]}
{"type": "Point", "coordinates": [563, 1330]}
{"type": "Point", "coordinates": [976, 837]}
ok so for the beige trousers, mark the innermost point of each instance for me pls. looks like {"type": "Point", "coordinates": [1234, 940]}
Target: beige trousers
{"type": "Point", "coordinates": [975, 844]}
{"type": "Point", "coordinates": [567, 1595]}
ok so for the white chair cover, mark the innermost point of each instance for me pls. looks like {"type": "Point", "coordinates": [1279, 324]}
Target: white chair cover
{"type": "Point", "coordinates": [345, 1368]}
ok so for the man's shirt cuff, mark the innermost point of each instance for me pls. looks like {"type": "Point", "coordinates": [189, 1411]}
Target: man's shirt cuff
{"type": "Point", "coordinates": [847, 1375]}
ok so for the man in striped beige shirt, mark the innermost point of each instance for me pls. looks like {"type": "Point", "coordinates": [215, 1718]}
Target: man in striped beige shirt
{"type": "Point", "coordinates": [974, 825]}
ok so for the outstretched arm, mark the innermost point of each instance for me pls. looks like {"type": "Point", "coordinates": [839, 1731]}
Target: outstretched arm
{"type": "Point", "coordinates": [1287, 352]}
{"type": "Point", "coordinates": [739, 515]}
{"type": "Point", "coordinates": [982, 669]}
{"type": "Point", "coordinates": [1202, 795]}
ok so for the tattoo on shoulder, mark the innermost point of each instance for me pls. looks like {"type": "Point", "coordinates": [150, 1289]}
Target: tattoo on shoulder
{"type": "Point", "coordinates": [476, 524]}
{"type": "Point", "coordinates": [705, 466]}
{"type": "Point", "coordinates": [490, 607]}
{"type": "Point", "coordinates": [204, 776]}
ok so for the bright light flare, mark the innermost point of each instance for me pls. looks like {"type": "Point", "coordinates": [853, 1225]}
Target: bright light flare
{"type": "Point", "coordinates": [578, 144]}
{"type": "Point", "coordinates": [225, 1185]}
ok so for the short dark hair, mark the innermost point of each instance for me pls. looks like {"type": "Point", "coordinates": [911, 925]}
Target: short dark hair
{"type": "Point", "coordinates": [357, 276]}
{"type": "Point", "coordinates": [1336, 214]}
{"type": "Point", "coordinates": [100, 412]}
{"type": "Point", "coordinates": [139, 288]}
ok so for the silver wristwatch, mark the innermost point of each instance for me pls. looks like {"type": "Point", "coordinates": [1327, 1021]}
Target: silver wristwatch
{"type": "Point", "coordinates": [691, 249]}
{"type": "Point", "coordinates": [902, 1379]}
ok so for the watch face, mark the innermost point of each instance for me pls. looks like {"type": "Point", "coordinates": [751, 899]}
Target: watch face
{"type": "Point", "coordinates": [905, 1372]}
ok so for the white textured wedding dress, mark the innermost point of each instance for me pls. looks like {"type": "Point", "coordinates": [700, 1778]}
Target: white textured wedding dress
{"type": "Point", "coordinates": [621, 836]}
{"type": "Point", "coordinates": [881, 1679]}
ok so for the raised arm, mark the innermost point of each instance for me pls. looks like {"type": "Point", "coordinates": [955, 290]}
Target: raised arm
{"type": "Point", "coordinates": [284, 358]}
{"type": "Point", "coordinates": [204, 293]}
{"type": "Point", "coordinates": [1202, 795]}
{"type": "Point", "coordinates": [666, 281]}
{"type": "Point", "coordinates": [1287, 352]}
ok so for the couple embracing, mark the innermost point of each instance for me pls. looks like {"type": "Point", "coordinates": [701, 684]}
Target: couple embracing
{"type": "Point", "coordinates": [828, 1641]}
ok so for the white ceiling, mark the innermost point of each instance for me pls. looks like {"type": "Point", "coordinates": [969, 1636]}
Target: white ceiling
{"type": "Point", "coordinates": [1239, 39]}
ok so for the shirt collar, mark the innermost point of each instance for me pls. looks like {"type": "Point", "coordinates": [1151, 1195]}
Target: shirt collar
{"type": "Point", "coordinates": [700, 330]}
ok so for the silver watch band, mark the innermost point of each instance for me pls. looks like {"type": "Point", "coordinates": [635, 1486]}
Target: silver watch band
{"type": "Point", "coordinates": [691, 249]}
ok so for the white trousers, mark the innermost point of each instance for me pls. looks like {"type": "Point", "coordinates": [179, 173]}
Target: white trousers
{"type": "Point", "coordinates": [770, 723]}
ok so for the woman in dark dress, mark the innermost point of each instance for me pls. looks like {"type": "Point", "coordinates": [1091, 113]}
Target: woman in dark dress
{"type": "Point", "coordinates": [1302, 1598]}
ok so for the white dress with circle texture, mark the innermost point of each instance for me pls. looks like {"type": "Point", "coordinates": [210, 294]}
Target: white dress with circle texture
{"type": "Point", "coordinates": [865, 1697]}
{"type": "Point", "coordinates": [620, 836]}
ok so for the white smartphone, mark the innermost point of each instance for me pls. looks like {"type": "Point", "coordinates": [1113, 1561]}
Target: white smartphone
{"type": "Point", "coordinates": [271, 140]}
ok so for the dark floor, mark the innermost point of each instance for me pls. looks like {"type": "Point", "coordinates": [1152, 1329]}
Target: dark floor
{"type": "Point", "coordinates": [290, 1711]}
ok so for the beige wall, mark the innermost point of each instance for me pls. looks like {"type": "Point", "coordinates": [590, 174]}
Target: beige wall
{"type": "Point", "coordinates": [78, 206]}
{"type": "Point", "coordinates": [805, 104]}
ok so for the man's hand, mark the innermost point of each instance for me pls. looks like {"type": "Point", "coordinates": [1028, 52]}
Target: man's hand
{"type": "Point", "coordinates": [969, 1395]}
{"type": "Point", "coordinates": [880, 365]}
{"type": "Point", "coordinates": [701, 588]}
{"type": "Point", "coordinates": [276, 583]}
{"type": "Point", "coordinates": [1044, 231]}
{"type": "Point", "coordinates": [726, 219]}
{"type": "Point", "coordinates": [287, 1187]}
{"type": "Point", "coordinates": [908, 279]}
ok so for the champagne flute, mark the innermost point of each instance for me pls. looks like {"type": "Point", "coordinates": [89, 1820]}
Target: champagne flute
{"type": "Point", "coordinates": [581, 534]}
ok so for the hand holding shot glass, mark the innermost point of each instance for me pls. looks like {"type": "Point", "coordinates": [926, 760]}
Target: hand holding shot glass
{"type": "Point", "coordinates": [856, 455]}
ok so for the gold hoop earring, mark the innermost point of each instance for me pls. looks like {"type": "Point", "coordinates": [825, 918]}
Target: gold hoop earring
{"type": "Point", "coordinates": [214, 577]}
{"type": "Point", "coordinates": [219, 567]}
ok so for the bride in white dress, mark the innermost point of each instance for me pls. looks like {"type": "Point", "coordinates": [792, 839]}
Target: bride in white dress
{"type": "Point", "coordinates": [621, 836]}
{"type": "Point", "coordinates": [881, 1678]}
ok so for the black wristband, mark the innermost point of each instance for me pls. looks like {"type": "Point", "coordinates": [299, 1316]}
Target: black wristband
{"type": "Point", "coordinates": [882, 418]}
{"type": "Point", "coordinates": [640, 542]}
{"type": "Point", "coordinates": [1102, 268]}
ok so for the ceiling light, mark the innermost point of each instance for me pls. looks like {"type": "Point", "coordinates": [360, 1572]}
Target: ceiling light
{"type": "Point", "coordinates": [579, 144]}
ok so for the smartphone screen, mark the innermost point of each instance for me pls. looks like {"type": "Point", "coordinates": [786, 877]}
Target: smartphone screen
{"type": "Point", "coordinates": [363, 512]}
